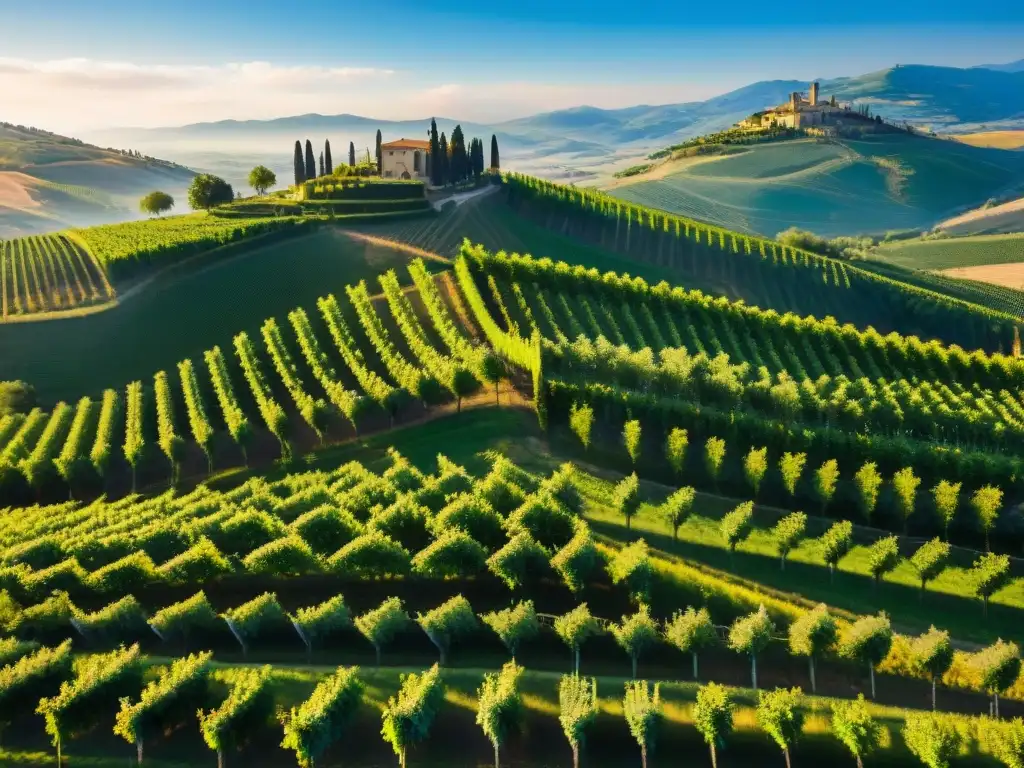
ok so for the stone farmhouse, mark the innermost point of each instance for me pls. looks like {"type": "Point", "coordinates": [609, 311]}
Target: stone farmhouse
{"type": "Point", "coordinates": [405, 159]}
{"type": "Point", "coordinates": [799, 112]}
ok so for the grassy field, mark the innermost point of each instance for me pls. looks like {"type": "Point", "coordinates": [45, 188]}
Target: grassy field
{"type": "Point", "coordinates": [180, 317]}
{"type": "Point", "coordinates": [840, 188]}
{"type": "Point", "coordinates": [954, 252]}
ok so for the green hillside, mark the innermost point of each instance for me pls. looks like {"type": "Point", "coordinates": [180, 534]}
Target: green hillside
{"type": "Point", "coordinates": [952, 252]}
{"type": "Point", "coordinates": [831, 187]}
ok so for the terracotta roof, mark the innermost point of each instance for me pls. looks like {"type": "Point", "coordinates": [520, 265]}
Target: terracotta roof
{"type": "Point", "coordinates": [406, 144]}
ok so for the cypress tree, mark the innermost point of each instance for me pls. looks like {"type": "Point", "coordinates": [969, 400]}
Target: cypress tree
{"type": "Point", "coordinates": [352, 154]}
{"type": "Point", "coordinates": [328, 163]}
{"type": "Point", "coordinates": [457, 147]}
{"type": "Point", "coordinates": [435, 155]}
{"type": "Point", "coordinates": [380, 155]}
{"type": "Point", "coordinates": [321, 163]}
{"type": "Point", "coordinates": [443, 157]}
{"type": "Point", "coordinates": [495, 160]}
{"type": "Point", "coordinates": [310, 161]}
{"type": "Point", "coordinates": [300, 168]}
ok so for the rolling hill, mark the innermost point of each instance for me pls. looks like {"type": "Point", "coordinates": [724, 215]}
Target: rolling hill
{"type": "Point", "coordinates": [48, 181]}
{"type": "Point", "coordinates": [831, 187]}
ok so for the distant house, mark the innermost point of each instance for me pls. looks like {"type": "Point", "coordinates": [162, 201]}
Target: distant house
{"type": "Point", "coordinates": [798, 112]}
{"type": "Point", "coordinates": [405, 159]}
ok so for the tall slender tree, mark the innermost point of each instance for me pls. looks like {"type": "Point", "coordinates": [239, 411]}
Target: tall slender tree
{"type": "Point", "coordinates": [443, 157]}
{"type": "Point", "coordinates": [380, 155]}
{"type": "Point", "coordinates": [328, 162]}
{"type": "Point", "coordinates": [495, 159]}
{"type": "Point", "coordinates": [458, 170]}
{"type": "Point", "coordinates": [310, 161]}
{"type": "Point", "coordinates": [435, 155]}
{"type": "Point", "coordinates": [321, 163]}
{"type": "Point", "coordinates": [300, 168]}
{"type": "Point", "coordinates": [352, 153]}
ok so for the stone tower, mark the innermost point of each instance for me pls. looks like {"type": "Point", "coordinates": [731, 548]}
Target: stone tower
{"type": "Point", "coordinates": [814, 94]}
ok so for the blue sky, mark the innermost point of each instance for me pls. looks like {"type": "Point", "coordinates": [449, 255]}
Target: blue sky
{"type": "Point", "coordinates": [113, 62]}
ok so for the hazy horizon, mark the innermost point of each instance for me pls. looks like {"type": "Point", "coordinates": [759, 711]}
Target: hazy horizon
{"type": "Point", "coordinates": [124, 66]}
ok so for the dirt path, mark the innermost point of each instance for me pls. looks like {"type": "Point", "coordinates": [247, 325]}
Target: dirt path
{"type": "Point", "coordinates": [398, 245]}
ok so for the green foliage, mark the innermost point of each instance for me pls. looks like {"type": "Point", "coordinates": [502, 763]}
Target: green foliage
{"type": "Point", "coordinates": [514, 625]}
{"type": "Point", "coordinates": [168, 701]}
{"type": "Point", "coordinates": [712, 716]}
{"type": "Point", "coordinates": [932, 653]}
{"type": "Point", "coordinates": [156, 203]}
{"type": "Point", "coordinates": [577, 706]}
{"type": "Point", "coordinates": [755, 465]}
{"type": "Point", "coordinates": [36, 675]}
{"type": "Point", "coordinates": [636, 633]}
{"type": "Point", "coordinates": [986, 503]}
{"type": "Point", "coordinates": [905, 484]}
{"type": "Point", "coordinates": [933, 739]}
{"type": "Point", "coordinates": [575, 627]}
{"type": "Point", "coordinates": [997, 666]}
{"type": "Point", "coordinates": [626, 497]}
{"type": "Point", "coordinates": [854, 726]}
{"type": "Point", "coordinates": [408, 717]}
{"type": "Point", "coordinates": [930, 560]}
{"type": "Point", "coordinates": [736, 525]}
{"type": "Point", "coordinates": [326, 529]}
{"type": "Point", "coordinates": [261, 179]}
{"type": "Point", "coordinates": [675, 449]}
{"type": "Point", "coordinates": [787, 533]}
{"type": "Point", "coordinates": [544, 519]}
{"type": "Point", "coordinates": [632, 566]}
{"type": "Point", "coordinates": [691, 632]}
{"type": "Point", "coordinates": [868, 641]}
{"type": "Point", "coordinates": [258, 617]}
{"type": "Point", "coordinates": [500, 709]}
{"type": "Point", "coordinates": [16, 397]}
{"type": "Point", "coordinates": [207, 191]}
{"type": "Point", "coordinates": [868, 481]}
{"type": "Point", "coordinates": [714, 456]}
{"type": "Point", "coordinates": [243, 714]}
{"type": "Point", "coordinates": [448, 622]}
{"type": "Point", "coordinates": [200, 563]}
{"type": "Point", "coordinates": [791, 466]}
{"type": "Point", "coordinates": [453, 553]}
{"type": "Point", "coordinates": [519, 561]}
{"type": "Point", "coordinates": [382, 624]}
{"type": "Point", "coordinates": [121, 621]}
{"type": "Point", "coordinates": [751, 634]}
{"type": "Point", "coordinates": [1005, 740]}
{"type": "Point", "coordinates": [369, 555]}
{"type": "Point", "coordinates": [989, 574]}
{"type": "Point", "coordinates": [286, 556]}
{"type": "Point", "coordinates": [579, 560]}
{"type": "Point", "coordinates": [631, 439]}
{"type": "Point", "coordinates": [98, 679]}
{"type": "Point", "coordinates": [472, 514]}
{"type": "Point", "coordinates": [319, 721]}
{"type": "Point", "coordinates": [124, 575]}
{"type": "Point", "coordinates": [182, 619]}
{"type": "Point", "coordinates": [883, 557]}
{"type": "Point", "coordinates": [319, 622]}
{"type": "Point", "coordinates": [642, 709]}
{"type": "Point", "coordinates": [947, 499]}
{"type": "Point", "coordinates": [836, 542]}
{"type": "Point", "coordinates": [780, 715]}
{"type": "Point", "coordinates": [676, 508]}
{"type": "Point", "coordinates": [826, 477]}
{"type": "Point", "coordinates": [813, 633]}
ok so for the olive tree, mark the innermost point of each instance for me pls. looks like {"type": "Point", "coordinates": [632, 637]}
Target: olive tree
{"type": "Point", "coordinates": [261, 179]}
{"type": "Point", "coordinates": [626, 497]}
{"type": "Point", "coordinates": [676, 508]}
{"type": "Point", "coordinates": [883, 557]}
{"type": "Point", "coordinates": [156, 203]}
{"type": "Point", "coordinates": [787, 533]}
{"type": "Point", "coordinates": [929, 561]}
{"type": "Point", "coordinates": [514, 625]}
